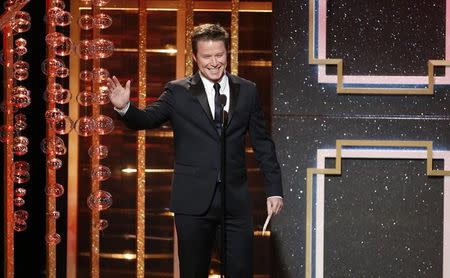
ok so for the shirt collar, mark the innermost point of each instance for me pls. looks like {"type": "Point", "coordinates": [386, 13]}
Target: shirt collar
{"type": "Point", "coordinates": [209, 85]}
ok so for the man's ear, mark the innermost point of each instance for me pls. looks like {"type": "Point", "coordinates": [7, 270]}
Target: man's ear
{"type": "Point", "coordinates": [194, 58]}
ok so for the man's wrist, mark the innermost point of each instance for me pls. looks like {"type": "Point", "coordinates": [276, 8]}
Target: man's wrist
{"type": "Point", "coordinates": [275, 196]}
{"type": "Point", "coordinates": [123, 110]}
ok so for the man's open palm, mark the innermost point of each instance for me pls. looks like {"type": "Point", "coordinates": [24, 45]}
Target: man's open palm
{"type": "Point", "coordinates": [118, 95]}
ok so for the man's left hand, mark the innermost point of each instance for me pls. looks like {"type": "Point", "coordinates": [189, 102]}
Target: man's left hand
{"type": "Point", "coordinates": [274, 205]}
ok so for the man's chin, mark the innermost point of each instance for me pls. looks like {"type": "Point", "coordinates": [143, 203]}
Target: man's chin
{"type": "Point", "coordinates": [215, 77]}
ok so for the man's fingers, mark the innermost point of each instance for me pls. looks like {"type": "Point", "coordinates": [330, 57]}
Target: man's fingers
{"type": "Point", "coordinates": [113, 85]}
{"type": "Point", "coordinates": [110, 83]}
{"type": "Point", "coordinates": [116, 81]}
{"type": "Point", "coordinates": [276, 206]}
{"type": "Point", "coordinates": [271, 206]}
{"type": "Point", "coordinates": [278, 209]}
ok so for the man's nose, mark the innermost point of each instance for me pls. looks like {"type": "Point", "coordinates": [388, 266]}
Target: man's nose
{"type": "Point", "coordinates": [214, 61]}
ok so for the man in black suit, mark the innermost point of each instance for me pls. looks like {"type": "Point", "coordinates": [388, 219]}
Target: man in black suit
{"type": "Point", "coordinates": [191, 105]}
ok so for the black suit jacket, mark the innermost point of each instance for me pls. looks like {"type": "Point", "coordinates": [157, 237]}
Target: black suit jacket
{"type": "Point", "coordinates": [197, 145]}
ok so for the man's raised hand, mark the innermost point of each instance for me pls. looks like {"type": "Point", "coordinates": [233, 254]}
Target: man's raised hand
{"type": "Point", "coordinates": [118, 95]}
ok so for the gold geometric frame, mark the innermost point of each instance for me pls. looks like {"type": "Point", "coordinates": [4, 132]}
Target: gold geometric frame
{"type": "Point", "coordinates": [337, 170]}
{"type": "Point", "coordinates": [428, 90]}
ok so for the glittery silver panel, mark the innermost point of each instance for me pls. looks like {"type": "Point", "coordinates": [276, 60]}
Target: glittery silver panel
{"type": "Point", "coordinates": [363, 203]}
{"type": "Point", "coordinates": [297, 91]}
{"type": "Point", "coordinates": [383, 218]}
{"type": "Point", "coordinates": [387, 37]}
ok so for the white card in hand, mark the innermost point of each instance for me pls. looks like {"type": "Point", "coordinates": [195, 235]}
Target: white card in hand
{"type": "Point", "coordinates": [266, 223]}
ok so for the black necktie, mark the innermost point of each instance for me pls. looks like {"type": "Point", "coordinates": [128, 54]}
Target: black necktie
{"type": "Point", "coordinates": [218, 110]}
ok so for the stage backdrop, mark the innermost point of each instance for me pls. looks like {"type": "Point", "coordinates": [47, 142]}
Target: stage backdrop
{"type": "Point", "coordinates": [361, 122]}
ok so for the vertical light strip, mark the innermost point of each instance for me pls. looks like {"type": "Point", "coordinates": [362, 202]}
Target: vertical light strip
{"type": "Point", "coordinates": [176, 261]}
{"type": "Point", "coordinates": [189, 8]}
{"type": "Point", "coordinates": [181, 40]}
{"type": "Point", "coordinates": [182, 55]}
{"type": "Point", "coordinates": [50, 173]}
{"type": "Point", "coordinates": [72, 158]}
{"type": "Point", "coordinates": [234, 36]}
{"type": "Point", "coordinates": [140, 186]}
{"type": "Point", "coordinates": [8, 157]}
{"type": "Point", "coordinates": [95, 184]}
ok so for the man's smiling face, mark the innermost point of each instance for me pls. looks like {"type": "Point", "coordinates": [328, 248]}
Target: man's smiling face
{"type": "Point", "coordinates": [211, 59]}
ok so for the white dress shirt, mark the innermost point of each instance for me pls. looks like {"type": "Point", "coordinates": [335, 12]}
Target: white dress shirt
{"type": "Point", "coordinates": [211, 93]}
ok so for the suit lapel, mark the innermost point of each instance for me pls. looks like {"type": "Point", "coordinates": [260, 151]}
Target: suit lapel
{"type": "Point", "coordinates": [198, 91]}
{"type": "Point", "coordinates": [234, 95]}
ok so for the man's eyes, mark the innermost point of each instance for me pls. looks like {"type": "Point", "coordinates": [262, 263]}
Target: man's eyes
{"type": "Point", "coordinates": [209, 56]}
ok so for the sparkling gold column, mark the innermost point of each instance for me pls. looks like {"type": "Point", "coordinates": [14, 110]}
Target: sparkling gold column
{"type": "Point", "coordinates": [181, 40]}
{"type": "Point", "coordinates": [95, 184]}
{"type": "Point", "coordinates": [72, 154]}
{"type": "Point", "coordinates": [189, 8]}
{"type": "Point", "coordinates": [50, 173]}
{"type": "Point", "coordinates": [184, 67]}
{"type": "Point", "coordinates": [140, 186]}
{"type": "Point", "coordinates": [234, 37]}
{"type": "Point", "coordinates": [8, 155]}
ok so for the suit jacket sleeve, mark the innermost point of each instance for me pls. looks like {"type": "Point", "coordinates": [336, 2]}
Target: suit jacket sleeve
{"type": "Point", "coordinates": [264, 149]}
{"type": "Point", "coordinates": [153, 115]}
